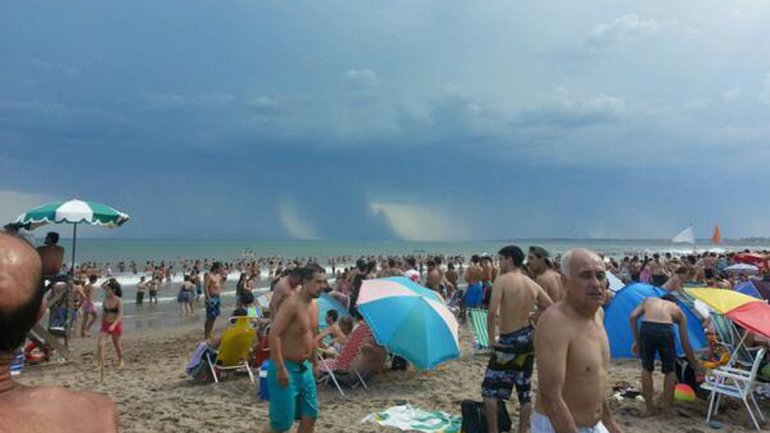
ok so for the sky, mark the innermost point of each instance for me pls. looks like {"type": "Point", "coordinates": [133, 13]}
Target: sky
{"type": "Point", "coordinates": [390, 120]}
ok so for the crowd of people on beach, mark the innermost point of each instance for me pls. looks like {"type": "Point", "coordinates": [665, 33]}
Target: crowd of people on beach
{"type": "Point", "coordinates": [545, 315]}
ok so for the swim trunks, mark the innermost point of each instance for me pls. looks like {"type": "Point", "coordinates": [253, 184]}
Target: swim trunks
{"type": "Point", "coordinates": [296, 400]}
{"type": "Point", "coordinates": [511, 364]}
{"type": "Point", "coordinates": [183, 297]}
{"type": "Point", "coordinates": [213, 307]}
{"type": "Point", "coordinates": [88, 307]}
{"type": "Point", "coordinates": [474, 295]}
{"type": "Point", "coordinates": [657, 337]}
{"type": "Point", "coordinates": [541, 424]}
{"type": "Point", "coordinates": [118, 331]}
{"type": "Point", "coordinates": [659, 279]}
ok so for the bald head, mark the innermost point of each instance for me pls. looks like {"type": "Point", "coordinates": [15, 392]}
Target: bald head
{"type": "Point", "coordinates": [20, 294]}
{"type": "Point", "coordinates": [576, 254]}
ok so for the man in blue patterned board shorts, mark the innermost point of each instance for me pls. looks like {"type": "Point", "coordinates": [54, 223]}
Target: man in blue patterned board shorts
{"type": "Point", "coordinates": [514, 296]}
{"type": "Point", "coordinates": [291, 379]}
{"type": "Point", "coordinates": [212, 287]}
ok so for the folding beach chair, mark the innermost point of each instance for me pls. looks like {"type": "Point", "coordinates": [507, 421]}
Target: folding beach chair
{"type": "Point", "coordinates": [360, 336]}
{"type": "Point", "coordinates": [234, 348]}
{"type": "Point", "coordinates": [736, 383]}
{"type": "Point", "coordinates": [478, 324]}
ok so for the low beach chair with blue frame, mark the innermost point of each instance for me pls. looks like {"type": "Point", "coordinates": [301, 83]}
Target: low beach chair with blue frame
{"type": "Point", "coordinates": [234, 349]}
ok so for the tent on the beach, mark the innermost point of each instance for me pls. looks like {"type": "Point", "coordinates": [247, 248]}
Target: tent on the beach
{"type": "Point", "coordinates": [749, 288]}
{"type": "Point", "coordinates": [625, 301]}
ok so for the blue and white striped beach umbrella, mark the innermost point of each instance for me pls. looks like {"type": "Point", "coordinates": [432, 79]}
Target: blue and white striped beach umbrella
{"type": "Point", "coordinates": [410, 321]}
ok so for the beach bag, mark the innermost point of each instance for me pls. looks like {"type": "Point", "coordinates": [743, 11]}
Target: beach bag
{"type": "Point", "coordinates": [686, 374]}
{"type": "Point", "coordinates": [475, 418]}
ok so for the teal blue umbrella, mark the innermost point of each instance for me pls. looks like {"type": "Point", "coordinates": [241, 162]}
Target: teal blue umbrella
{"type": "Point", "coordinates": [410, 321]}
{"type": "Point", "coordinates": [326, 303]}
{"type": "Point", "coordinates": [73, 212]}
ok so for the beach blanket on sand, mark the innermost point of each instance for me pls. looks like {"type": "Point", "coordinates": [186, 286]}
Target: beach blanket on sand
{"type": "Point", "coordinates": [198, 368]}
{"type": "Point", "coordinates": [409, 418]}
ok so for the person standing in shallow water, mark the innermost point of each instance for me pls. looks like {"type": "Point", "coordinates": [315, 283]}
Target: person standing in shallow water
{"type": "Point", "coordinates": [212, 288]}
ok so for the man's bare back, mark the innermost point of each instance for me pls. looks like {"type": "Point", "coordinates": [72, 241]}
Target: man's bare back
{"type": "Point", "coordinates": [657, 310]}
{"type": "Point", "coordinates": [281, 292]}
{"type": "Point", "coordinates": [52, 257]}
{"type": "Point", "coordinates": [587, 348]}
{"type": "Point", "coordinates": [49, 409]}
{"type": "Point", "coordinates": [550, 281]}
{"type": "Point", "coordinates": [474, 273]}
{"type": "Point", "coordinates": [518, 294]}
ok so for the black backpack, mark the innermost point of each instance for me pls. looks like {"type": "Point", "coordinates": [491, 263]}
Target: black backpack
{"type": "Point", "coordinates": [475, 419]}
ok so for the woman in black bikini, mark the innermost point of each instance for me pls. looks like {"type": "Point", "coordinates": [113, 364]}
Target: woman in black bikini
{"type": "Point", "coordinates": [112, 319]}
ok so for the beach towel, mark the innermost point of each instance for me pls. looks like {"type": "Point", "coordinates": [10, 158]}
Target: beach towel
{"type": "Point", "coordinates": [18, 363]}
{"type": "Point", "coordinates": [409, 418]}
{"type": "Point", "coordinates": [198, 368]}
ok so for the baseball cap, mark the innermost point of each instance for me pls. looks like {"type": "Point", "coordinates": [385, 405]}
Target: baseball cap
{"type": "Point", "coordinates": [539, 251]}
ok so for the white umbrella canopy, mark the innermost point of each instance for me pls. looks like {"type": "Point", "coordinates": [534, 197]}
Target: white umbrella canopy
{"type": "Point", "coordinates": [742, 268]}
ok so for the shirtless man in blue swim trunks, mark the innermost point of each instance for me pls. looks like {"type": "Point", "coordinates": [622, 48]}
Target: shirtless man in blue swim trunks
{"type": "Point", "coordinates": [293, 348]}
{"type": "Point", "coordinates": [474, 294]}
{"type": "Point", "coordinates": [212, 288]}
{"type": "Point", "coordinates": [514, 295]}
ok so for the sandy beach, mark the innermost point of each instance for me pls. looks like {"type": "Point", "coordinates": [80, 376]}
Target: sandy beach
{"type": "Point", "coordinates": [153, 395]}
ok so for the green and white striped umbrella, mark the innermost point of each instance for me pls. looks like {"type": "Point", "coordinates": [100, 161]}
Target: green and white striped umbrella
{"type": "Point", "coordinates": [73, 212]}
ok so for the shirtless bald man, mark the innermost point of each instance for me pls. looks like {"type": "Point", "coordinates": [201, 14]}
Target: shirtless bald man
{"type": "Point", "coordinates": [512, 361]}
{"type": "Point", "coordinates": [540, 266]}
{"type": "Point", "coordinates": [26, 408]}
{"type": "Point", "coordinates": [293, 348]}
{"type": "Point", "coordinates": [572, 353]}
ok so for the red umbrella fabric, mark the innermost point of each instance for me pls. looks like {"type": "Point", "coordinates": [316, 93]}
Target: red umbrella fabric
{"type": "Point", "coordinates": [754, 316]}
{"type": "Point", "coordinates": [751, 258]}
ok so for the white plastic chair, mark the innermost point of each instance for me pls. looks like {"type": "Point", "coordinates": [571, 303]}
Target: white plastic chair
{"type": "Point", "coordinates": [736, 383]}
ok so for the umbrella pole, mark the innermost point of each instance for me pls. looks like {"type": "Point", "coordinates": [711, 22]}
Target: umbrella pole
{"type": "Point", "coordinates": [74, 238]}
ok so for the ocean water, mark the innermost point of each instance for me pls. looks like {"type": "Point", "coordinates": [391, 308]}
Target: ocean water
{"type": "Point", "coordinates": [112, 251]}
{"type": "Point", "coordinates": [167, 312]}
